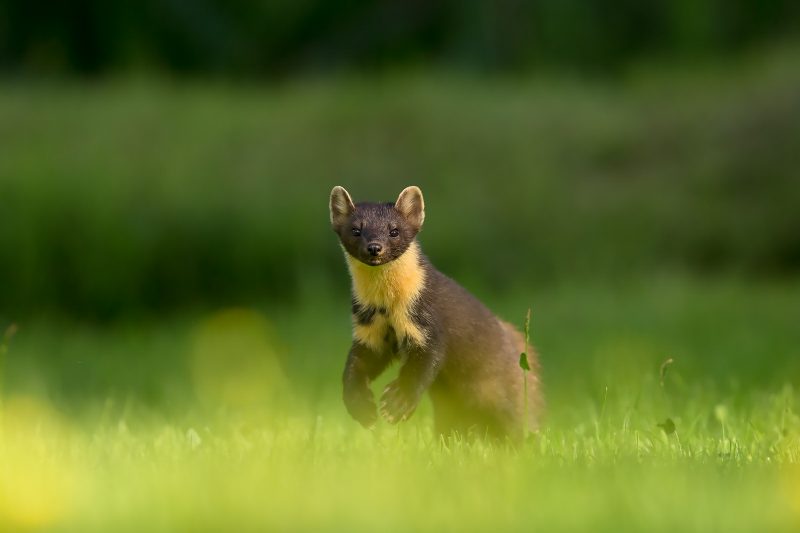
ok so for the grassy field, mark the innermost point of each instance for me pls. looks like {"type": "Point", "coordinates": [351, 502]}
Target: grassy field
{"type": "Point", "coordinates": [232, 420]}
{"type": "Point", "coordinates": [182, 309]}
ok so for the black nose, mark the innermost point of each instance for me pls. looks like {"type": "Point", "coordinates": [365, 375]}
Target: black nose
{"type": "Point", "coordinates": [374, 248]}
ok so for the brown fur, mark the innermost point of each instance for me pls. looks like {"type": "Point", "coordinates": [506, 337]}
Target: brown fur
{"type": "Point", "coordinates": [453, 346]}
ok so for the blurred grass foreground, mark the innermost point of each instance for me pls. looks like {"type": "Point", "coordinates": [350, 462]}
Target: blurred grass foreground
{"type": "Point", "coordinates": [235, 420]}
{"type": "Point", "coordinates": [176, 307]}
{"type": "Point", "coordinates": [221, 422]}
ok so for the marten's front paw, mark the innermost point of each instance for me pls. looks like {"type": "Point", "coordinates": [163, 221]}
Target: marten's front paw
{"type": "Point", "coordinates": [397, 404]}
{"type": "Point", "coordinates": [361, 406]}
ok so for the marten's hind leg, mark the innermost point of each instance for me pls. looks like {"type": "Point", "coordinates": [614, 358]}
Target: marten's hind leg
{"type": "Point", "coordinates": [453, 419]}
{"type": "Point", "coordinates": [450, 420]}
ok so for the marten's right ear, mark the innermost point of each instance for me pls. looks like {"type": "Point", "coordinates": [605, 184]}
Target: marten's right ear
{"type": "Point", "coordinates": [341, 206]}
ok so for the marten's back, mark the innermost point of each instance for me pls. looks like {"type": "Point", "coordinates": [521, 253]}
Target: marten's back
{"type": "Point", "coordinates": [481, 370]}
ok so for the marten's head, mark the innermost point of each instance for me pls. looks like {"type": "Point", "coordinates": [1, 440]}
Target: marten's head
{"type": "Point", "coordinates": [376, 234]}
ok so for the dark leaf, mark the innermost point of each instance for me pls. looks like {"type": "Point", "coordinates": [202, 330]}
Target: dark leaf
{"type": "Point", "coordinates": [668, 426]}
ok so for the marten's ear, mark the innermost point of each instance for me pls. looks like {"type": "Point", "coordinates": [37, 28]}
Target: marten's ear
{"type": "Point", "coordinates": [411, 205]}
{"type": "Point", "coordinates": [341, 206]}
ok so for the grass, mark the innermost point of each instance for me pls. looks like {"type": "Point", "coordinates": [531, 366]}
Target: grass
{"type": "Point", "coordinates": [233, 421]}
{"type": "Point", "coordinates": [136, 203]}
{"type": "Point", "coordinates": [332, 476]}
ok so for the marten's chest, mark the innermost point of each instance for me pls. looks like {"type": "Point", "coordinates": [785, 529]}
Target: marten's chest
{"type": "Point", "coordinates": [383, 301]}
{"type": "Point", "coordinates": [385, 329]}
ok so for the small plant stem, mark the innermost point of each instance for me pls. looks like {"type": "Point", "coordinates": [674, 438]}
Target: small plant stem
{"type": "Point", "coordinates": [523, 363]}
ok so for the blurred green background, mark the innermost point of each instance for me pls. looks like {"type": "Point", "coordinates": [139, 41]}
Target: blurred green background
{"type": "Point", "coordinates": [173, 298]}
{"type": "Point", "coordinates": [163, 155]}
{"type": "Point", "coordinates": [160, 161]}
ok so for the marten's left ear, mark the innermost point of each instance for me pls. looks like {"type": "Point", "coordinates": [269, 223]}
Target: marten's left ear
{"type": "Point", "coordinates": [411, 205]}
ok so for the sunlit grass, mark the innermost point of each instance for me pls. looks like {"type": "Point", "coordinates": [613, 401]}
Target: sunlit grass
{"type": "Point", "coordinates": [163, 426]}
{"type": "Point", "coordinates": [295, 471]}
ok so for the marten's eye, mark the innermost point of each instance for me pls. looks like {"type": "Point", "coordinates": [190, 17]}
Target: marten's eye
{"type": "Point", "coordinates": [394, 232]}
{"type": "Point", "coordinates": [356, 232]}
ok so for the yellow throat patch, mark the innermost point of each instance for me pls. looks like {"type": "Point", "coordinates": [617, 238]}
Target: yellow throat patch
{"type": "Point", "coordinates": [394, 287]}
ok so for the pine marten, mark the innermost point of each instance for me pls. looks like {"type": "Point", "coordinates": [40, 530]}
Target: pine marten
{"type": "Point", "coordinates": [404, 309]}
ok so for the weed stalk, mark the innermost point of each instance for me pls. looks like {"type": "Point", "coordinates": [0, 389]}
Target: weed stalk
{"type": "Point", "coordinates": [526, 367]}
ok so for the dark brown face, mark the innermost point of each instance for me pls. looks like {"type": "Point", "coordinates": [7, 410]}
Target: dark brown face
{"type": "Point", "coordinates": [376, 234]}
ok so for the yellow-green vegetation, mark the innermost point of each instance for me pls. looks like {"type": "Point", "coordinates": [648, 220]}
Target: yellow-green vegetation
{"type": "Point", "coordinates": [326, 474]}
{"type": "Point", "coordinates": [174, 310]}
{"type": "Point", "coordinates": [232, 420]}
